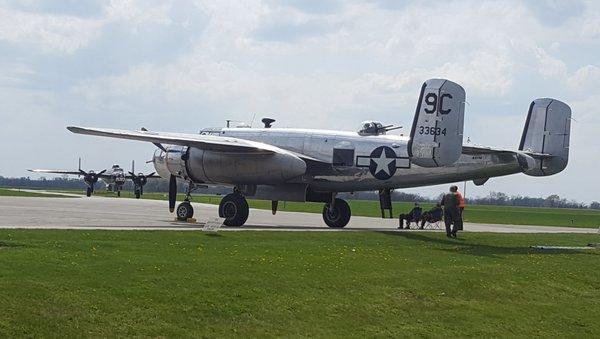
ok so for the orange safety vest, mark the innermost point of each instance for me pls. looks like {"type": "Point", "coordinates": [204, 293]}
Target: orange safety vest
{"type": "Point", "coordinates": [461, 200]}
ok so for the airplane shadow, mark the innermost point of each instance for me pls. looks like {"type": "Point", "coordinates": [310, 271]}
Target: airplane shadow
{"type": "Point", "coordinates": [464, 246]}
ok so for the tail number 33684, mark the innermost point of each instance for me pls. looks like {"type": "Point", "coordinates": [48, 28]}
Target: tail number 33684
{"type": "Point", "coordinates": [431, 130]}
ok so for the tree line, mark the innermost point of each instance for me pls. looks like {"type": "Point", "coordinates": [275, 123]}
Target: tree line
{"type": "Point", "coordinates": [162, 185]}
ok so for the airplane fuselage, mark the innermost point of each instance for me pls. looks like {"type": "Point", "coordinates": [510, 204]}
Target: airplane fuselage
{"type": "Point", "coordinates": [115, 178]}
{"type": "Point", "coordinates": [356, 163]}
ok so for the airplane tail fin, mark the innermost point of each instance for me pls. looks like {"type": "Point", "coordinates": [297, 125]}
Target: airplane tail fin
{"type": "Point", "coordinates": [545, 142]}
{"type": "Point", "coordinates": [437, 132]}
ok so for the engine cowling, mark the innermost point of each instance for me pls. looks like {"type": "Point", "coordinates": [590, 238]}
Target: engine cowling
{"type": "Point", "coordinates": [205, 166]}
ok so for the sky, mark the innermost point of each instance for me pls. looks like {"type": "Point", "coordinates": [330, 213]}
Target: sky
{"type": "Point", "coordinates": [184, 65]}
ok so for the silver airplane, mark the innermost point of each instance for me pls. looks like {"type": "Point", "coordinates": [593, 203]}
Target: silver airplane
{"type": "Point", "coordinates": [283, 164]}
{"type": "Point", "coordinates": [114, 178]}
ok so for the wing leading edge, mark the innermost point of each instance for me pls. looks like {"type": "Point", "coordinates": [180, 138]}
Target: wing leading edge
{"type": "Point", "coordinates": [205, 142]}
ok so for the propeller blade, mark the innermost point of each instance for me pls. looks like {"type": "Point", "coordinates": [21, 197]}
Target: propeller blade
{"type": "Point", "coordinates": [172, 193]}
{"type": "Point", "coordinates": [82, 172]}
{"type": "Point", "coordinates": [151, 174]}
{"type": "Point", "coordinates": [132, 174]}
{"type": "Point", "coordinates": [101, 172]}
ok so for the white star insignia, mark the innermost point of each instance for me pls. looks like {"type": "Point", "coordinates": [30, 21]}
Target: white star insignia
{"type": "Point", "coordinates": [383, 163]}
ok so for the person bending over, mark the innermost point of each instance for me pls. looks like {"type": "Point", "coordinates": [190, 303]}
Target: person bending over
{"type": "Point", "coordinates": [433, 215]}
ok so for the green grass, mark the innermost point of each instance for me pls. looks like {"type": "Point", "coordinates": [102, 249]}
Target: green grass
{"type": "Point", "coordinates": [18, 193]}
{"type": "Point", "coordinates": [286, 284]}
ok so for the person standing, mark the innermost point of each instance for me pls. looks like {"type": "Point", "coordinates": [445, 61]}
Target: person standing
{"type": "Point", "coordinates": [452, 215]}
{"type": "Point", "coordinates": [461, 205]}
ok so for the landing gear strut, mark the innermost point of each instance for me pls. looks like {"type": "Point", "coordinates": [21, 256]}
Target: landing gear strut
{"type": "Point", "coordinates": [234, 208]}
{"type": "Point", "coordinates": [185, 210]}
{"type": "Point", "coordinates": [336, 213]}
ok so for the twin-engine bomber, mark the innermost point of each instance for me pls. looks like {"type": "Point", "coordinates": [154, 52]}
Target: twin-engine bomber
{"type": "Point", "coordinates": [283, 164]}
{"type": "Point", "coordinates": [115, 178]}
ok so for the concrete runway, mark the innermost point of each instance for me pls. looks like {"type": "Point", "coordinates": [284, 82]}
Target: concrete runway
{"type": "Point", "coordinates": [132, 214]}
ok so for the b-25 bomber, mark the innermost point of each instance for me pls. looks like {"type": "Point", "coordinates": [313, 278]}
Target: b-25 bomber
{"type": "Point", "coordinates": [289, 164]}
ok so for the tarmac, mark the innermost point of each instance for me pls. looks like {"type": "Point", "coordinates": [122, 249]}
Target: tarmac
{"type": "Point", "coordinates": [75, 212]}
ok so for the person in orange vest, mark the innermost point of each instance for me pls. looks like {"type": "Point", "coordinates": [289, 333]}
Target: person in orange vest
{"type": "Point", "coordinates": [461, 204]}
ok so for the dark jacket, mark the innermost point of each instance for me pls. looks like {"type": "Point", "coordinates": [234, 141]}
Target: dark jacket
{"type": "Point", "coordinates": [450, 201]}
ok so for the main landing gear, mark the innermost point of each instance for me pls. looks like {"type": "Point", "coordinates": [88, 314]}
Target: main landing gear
{"type": "Point", "coordinates": [336, 213]}
{"type": "Point", "coordinates": [234, 208]}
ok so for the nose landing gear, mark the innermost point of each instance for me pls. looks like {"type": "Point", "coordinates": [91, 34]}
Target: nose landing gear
{"type": "Point", "coordinates": [185, 210]}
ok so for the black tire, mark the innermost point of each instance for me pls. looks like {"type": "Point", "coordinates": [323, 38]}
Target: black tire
{"type": "Point", "coordinates": [234, 208]}
{"type": "Point", "coordinates": [184, 211]}
{"type": "Point", "coordinates": [88, 192]}
{"type": "Point", "coordinates": [339, 216]}
{"type": "Point", "coordinates": [138, 194]}
{"type": "Point", "coordinates": [118, 193]}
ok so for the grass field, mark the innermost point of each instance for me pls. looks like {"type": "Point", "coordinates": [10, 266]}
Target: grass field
{"type": "Point", "coordinates": [5, 192]}
{"type": "Point", "coordinates": [475, 213]}
{"type": "Point", "coordinates": [273, 284]}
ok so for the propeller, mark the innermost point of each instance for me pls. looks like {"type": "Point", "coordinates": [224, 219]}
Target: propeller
{"type": "Point", "coordinates": [91, 177]}
{"type": "Point", "coordinates": [172, 192]}
{"type": "Point", "coordinates": [140, 179]}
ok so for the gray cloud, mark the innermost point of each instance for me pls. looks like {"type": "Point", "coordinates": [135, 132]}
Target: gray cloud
{"type": "Point", "coordinates": [554, 13]}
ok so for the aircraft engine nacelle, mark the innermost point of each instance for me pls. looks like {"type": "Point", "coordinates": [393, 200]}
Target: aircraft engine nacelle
{"type": "Point", "coordinates": [204, 166]}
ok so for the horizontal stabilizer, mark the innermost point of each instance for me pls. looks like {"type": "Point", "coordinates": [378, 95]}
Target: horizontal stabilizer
{"type": "Point", "coordinates": [437, 131]}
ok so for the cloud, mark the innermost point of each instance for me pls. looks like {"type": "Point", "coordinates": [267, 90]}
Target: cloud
{"type": "Point", "coordinates": [585, 78]}
{"type": "Point", "coordinates": [555, 12]}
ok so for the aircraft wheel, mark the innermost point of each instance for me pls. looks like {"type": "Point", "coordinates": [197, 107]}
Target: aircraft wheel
{"type": "Point", "coordinates": [88, 192]}
{"type": "Point", "coordinates": [184, 211]}
{"type": "Point", "coordinates": [234, 208]}
{"type": "Point", "coordinates": [118, 193]}
{"type": "Point", "coordinates": [339, 216]}
{"type": "Point", "coordinates": [138, 194]}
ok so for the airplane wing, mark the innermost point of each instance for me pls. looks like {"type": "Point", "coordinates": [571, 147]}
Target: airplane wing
{"type": "Point", "coordinates": [100, 175]}
{"type": "Point", "coordinates": [151, 176]}
{"type": "Point", "coordinates": [55, 171]}
{"type": "Point", "coordinates": [206, 142]}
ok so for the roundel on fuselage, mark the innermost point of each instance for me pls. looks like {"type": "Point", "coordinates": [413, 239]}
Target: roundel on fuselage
{"type": "Point", "coordinates": [383, 162]}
